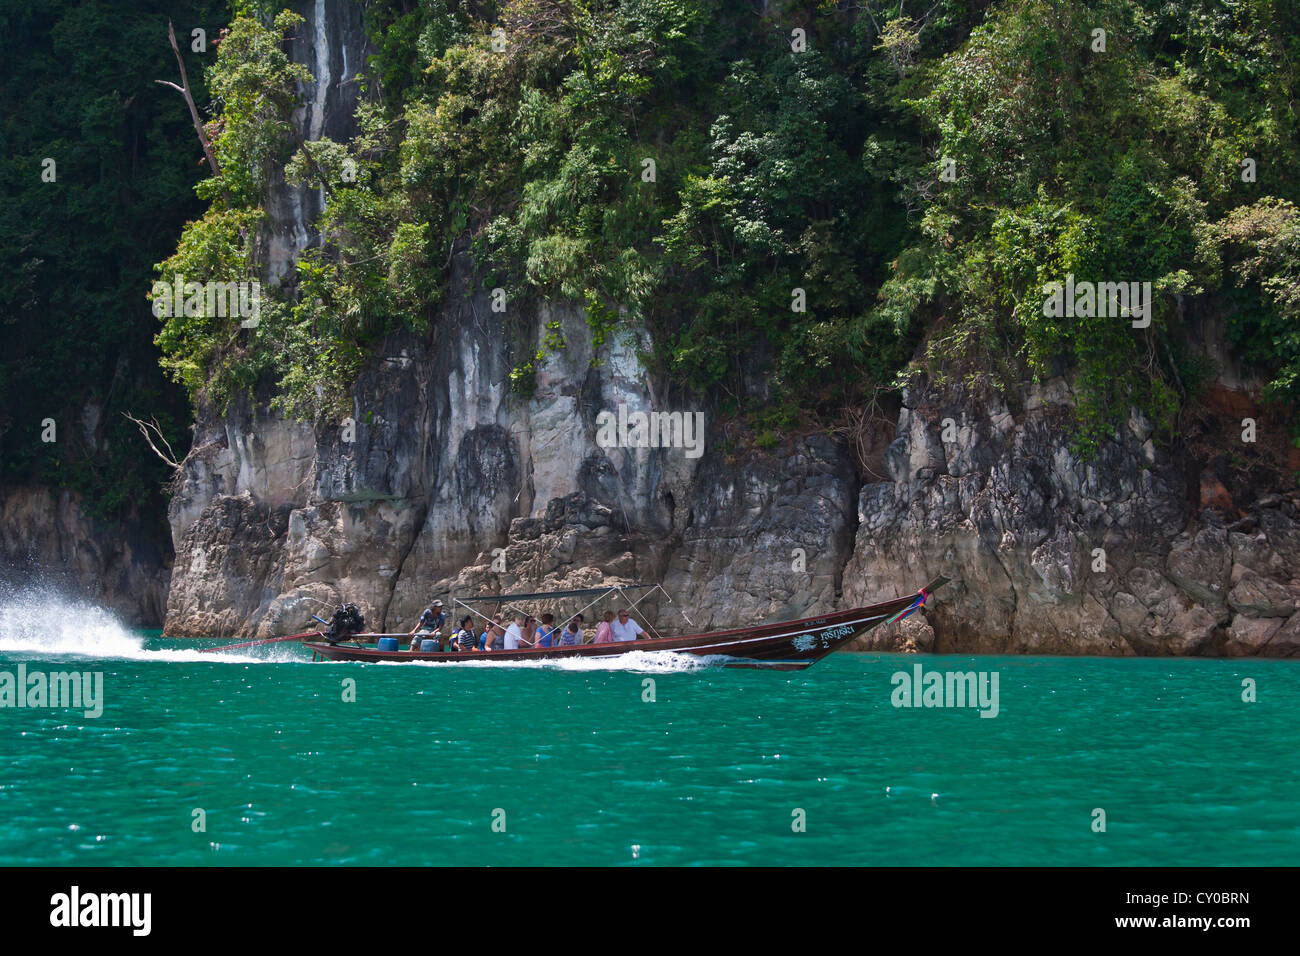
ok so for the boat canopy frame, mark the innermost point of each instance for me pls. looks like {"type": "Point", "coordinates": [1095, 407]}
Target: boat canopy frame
{"type": "Point", "coordinates": [601, 592]}
{"type": "Point", "coordinates": [577, 592]}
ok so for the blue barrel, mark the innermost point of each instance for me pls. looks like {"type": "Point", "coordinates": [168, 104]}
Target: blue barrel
{"type": "Point", "coordinates": [427, 645]}
{"type": "Point", "coordinates": [388, 643]}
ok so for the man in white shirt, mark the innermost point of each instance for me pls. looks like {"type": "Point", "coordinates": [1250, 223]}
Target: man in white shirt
{"type": "Point", "coordinates": [626, 629]}
{"type": "Point", "coordinates": [514, 632]}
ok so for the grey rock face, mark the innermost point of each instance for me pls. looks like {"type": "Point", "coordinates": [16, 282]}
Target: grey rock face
{"type": "Point", "coordinates": [767, 537]}
{"type": "Point", "coordinates": [1258, 596]}
{"type": "Point", "coordinates": [333, 45]}
{"type": "Point", "coordinates": [449, 486]}
{"type": "Point", "coordinates": [1052, 555]}
{"type": "Point", "coordinates": [443, 462]}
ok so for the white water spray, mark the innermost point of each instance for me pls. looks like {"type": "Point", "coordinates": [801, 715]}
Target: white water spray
{"type": "Point", "coordinates": [36, 621]}
{"type": "Point", "coordinates": [42, 622]}
{"type": "Point", "coordinates": [644, 662]}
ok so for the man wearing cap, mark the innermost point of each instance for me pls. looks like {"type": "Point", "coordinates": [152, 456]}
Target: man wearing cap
{"type": "Point", "coordinates": [431, 623]}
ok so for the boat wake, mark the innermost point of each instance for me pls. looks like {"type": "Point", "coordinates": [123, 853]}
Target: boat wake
{"type": "Point", "coordinates": [648, 662]}
{"type": "Point", "coordinates": [653, 662]}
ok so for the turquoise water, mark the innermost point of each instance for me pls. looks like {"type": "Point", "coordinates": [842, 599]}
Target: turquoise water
{"type": "Point", "coordinates": [587, 772]}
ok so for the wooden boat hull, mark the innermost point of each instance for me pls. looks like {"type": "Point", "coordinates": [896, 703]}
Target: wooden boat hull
{"type": "Point", "coordinates": [791, 645]}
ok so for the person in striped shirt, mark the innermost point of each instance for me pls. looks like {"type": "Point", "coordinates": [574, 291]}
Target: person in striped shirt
{"type": "Point", "coordinates": [572, 634]}
{"type": "Point", "coordinates": [464, 638]}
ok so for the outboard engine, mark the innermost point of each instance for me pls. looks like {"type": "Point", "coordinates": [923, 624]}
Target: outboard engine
{"type": "Point", "coordinates": [347, 621]}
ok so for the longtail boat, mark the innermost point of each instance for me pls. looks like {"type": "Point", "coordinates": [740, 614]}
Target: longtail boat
{"type": "Point", "coordinates": [788, 645]}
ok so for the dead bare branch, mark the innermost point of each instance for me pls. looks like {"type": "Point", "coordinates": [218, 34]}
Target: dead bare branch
{"type": "Point", "coordinates": [152, 426]}
{"type": "Point", "coordinates": [184, 90]}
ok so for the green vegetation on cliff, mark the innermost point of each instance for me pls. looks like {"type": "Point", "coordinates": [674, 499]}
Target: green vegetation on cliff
{"type": "Point", "coordinates": [792, 203]}
{"type": "Point", "coordinates": [800, 205]}
{"type": "Point", "coordinates": [1112, 157]}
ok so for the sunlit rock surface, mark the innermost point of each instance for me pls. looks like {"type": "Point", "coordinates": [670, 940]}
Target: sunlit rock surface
{"type": "Point", "coordinates": [1052, 555]}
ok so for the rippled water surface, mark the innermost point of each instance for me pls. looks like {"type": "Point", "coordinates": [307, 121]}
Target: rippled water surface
{"type": "Point", "coordinates": [581, 769]}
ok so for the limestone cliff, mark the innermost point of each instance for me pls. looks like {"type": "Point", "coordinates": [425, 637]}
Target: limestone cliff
{"type": "Point", "coordinates": [448, 481]}
{"type": "Point", "coordinates": [1125, 554]}
{"type": "Point", "coordinates": [1122, 555]}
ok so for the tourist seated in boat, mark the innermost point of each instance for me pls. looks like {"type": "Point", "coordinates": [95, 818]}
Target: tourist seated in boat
{"type": "Point", "coordinates": [604, 632]}
{"type": "Point", "coordinates": [529, 637]}
{"type": "Point", "coordinates": [572, 634]}
{"type": "Point", "coordinates": [515, 632]}
{"type": "Point", "coordinates": [625, 628]}
{"type": "Point", "coordinates": [464, 639]}
{"type": "Point", "coordinates": [493, 636]}
{"type": "Point", "coordinates": [430, 625]}
{"type": "Point", "coordinates": [545, 631]}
